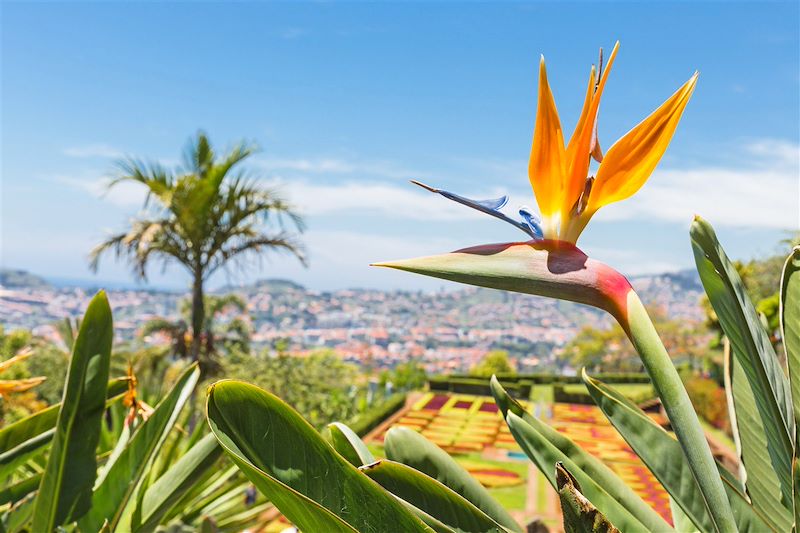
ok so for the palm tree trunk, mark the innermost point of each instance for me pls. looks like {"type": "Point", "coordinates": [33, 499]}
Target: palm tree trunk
{"type": "Point", "coordinates": [198, 316]}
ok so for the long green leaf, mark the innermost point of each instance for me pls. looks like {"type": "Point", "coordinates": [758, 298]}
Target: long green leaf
{"type": "Point", "coordinates": [116, 490]}
{"type": "Point", "coordinates": [348, 444]}
{"type": "Point", "coordinates": [753, 350]}
{"type": "Point", "coordinates": [790, 333]}
{"type": "Point", "coordinates": [431, 497]}
{"type": "Point", "coordinates": [406, 446]}
{"type": "Point", "coordinates": [293, 466]}
{"type": "Point", "coordinates": [572, 454]}
{"type": "Point", "coordinates": [762, 482]}
{"type": "Point", "coordinates": [790, 323]}
{"type": "Point", "coordinates": [545, 456]}
{"type": "Point", "coordinates": [664, 457]}
{"type": "Point", "coordinates": [580, 516]}
{"type": "Point", "coordinates": [24, 437]}
{"type": "Point", "coordinates": [162, 495]}
{"type": "Point", "coordinates": [65, 492]}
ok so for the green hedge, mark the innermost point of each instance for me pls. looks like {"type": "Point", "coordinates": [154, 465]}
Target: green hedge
{"type": "Point", "coordinates": [372, 417]}
{"type": "Point", "coordinates": [547, 379]}
{"type": "Point", "coordinates": [476, 386]}
{"type": "Point", "coordinates": [636, 392]}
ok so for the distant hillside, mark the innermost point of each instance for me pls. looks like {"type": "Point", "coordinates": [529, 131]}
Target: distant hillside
{"type": "Point", "coordinates": [687, 279]}
{"type": "Point", "coordinates": [274, 286]}
{"type": "Point", "coordinates": [21, 278]}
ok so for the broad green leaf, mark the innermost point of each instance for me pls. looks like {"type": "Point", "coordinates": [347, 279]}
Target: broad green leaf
{"type": "Point", "coordinates": [24, 437]}
{"type": "Point", "coordinates": [580, 460]}
{"type": "Point", "coordinates": [431, 497]}
{"type": "Point", "coordinates": [662, 454]}
{"type": "Point", "coordinates": [162, 495]}
{"type": "Point", "coordinates": [545, 455]}
{"type": "Point", "coordinates": [580, 516]}
{"type": "Point", "coordinates": [790, 323]}
{"type": "Point", "coordinates": [406, 446]}
{"type": "Point", "coordinates": [65, 492]}
{"type": "Point", "coordinates": [790, 333]}
{"type": "Point", "coordinates": [752, 348]}
{"type": "Point", "coordinates": [117, 489]}
{"type": "Point", "coordinates": [348, 444]}
{"type": "Point", "coordinates": [762, 482]}
{"type": "Point", "coordinates": [293, 466]}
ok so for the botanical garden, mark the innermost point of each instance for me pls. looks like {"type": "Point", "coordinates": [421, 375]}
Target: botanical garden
{"type": "Point", "coordinates": [193, 419]}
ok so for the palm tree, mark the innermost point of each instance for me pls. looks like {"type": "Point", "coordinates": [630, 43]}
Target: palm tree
{"type": "Point", "coordinates": [204, 216]}
{"type": "Point", "coordinates": [234, 333]}
{"type": "Point", "coordinates": [175, 330]}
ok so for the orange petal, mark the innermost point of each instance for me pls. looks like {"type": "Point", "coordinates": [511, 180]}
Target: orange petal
{"type": "Point", "coordinates": [581, 145]}
{"type": "Point", "coordinates": [632, 159]}
{"type": "Point", "coordinates": [546, 166]}
{"type": "Point", "coordinates": [587, 103]}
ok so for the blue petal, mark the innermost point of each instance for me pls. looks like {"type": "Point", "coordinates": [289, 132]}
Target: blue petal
{"type": "Point", "coordinates": [533, 221]}
{"type": "Point", "coordinates": [490, 207]}
{"type": "Point", "coordinates": [494, 204]}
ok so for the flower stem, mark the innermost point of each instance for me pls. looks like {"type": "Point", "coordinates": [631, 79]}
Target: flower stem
{"type": "Point", "coordinates": [669, 387]}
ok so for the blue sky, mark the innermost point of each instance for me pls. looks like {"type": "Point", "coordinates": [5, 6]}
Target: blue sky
{"type": "Point", "coordinates": [349, 101]}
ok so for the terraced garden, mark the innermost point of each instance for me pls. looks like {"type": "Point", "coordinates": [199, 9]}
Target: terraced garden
{"type": "Point", "coordinates": [471, 428]}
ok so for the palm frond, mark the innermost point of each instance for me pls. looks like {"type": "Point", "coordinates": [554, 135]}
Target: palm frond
{"type": "Point", "coordinates": [282, 242]}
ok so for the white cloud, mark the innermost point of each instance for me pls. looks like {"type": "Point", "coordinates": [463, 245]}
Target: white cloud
{"type": "Point", "coordinates": [392, 201]}
{"type": "Point", "coordinates": [123, 194]}
{"type": "Point", "coordinates": [363, 169]}
{"type": "Point", "coordinates": [91, 151]}
{"type": "Point", "coordinates": [765, 193]}
{"type": "Point", "coordinates": [341, 259]}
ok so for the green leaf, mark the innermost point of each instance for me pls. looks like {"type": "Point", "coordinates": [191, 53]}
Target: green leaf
{"type": "Point", "coordinates": [24, 437]}
{"type": "Point", "coordinates": [116, 490]}
{"type": "Point", "coordinates": [431, 497]}
{"type": "Point", "coordinates": [406, 446]}
{"type": "Point", "coordinates": [348, 444]}
{"type": "Point", "coordinates": [20, 489]}
{"type": "Point", "coordinates": [580, 461]}
{"type": "Point", "coordinates": [545, 456]}
{"type": "Point", "coordinates": [293, 466]}
{"type": "Point", "coordinates": [18, 518]}
{"type": "Point", "coordinates": [679, 518]}
{"type": "Point", "coordinates": [162, 495]}
{"type": "Point", "coordinates": [65, 493]}
{"type": "Point", "coordinates": [580, 516]}
{"type": "Point", "coordinates": [662, 454]}
{"type": "Point", "coordinates": [790, 333]}
{"type": "Point", "coordinates": [761, 480]}
{"type": "Point", "coordinates": [790, 323]}
{"type": "Point", "coordinates": [753, 350]}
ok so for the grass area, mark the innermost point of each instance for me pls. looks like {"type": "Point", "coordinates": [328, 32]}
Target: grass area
{"type": "Point", "coordinates": [376, 450]}
{"type": "Point", "coordinates": [719, 435]}
{"type": "Point", "coordinates": [518, 467]}
{"type": "Point", "coordinates": [542, 393]}
{"type": "Point", "coordinates": [511, 498]}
